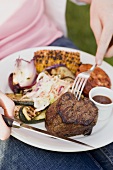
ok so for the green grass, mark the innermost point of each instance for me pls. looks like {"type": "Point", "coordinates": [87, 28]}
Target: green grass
{"type": "Point", "coordinates": [78, 24]}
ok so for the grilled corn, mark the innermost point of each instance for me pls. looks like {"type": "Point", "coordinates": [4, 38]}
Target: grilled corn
{"type": "Point", "coordinates": [46, 58]}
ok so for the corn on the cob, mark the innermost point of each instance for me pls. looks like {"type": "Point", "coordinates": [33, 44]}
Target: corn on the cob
{"type": "Point", "coordinates": [46, 58]}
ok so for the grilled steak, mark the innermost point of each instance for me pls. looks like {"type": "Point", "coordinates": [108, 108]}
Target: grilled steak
{"type": "Point", "coordinates": [68, 116]}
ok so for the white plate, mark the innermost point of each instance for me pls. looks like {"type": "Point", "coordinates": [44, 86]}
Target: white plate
{"type": "Point", "coordinates": [102, 132]}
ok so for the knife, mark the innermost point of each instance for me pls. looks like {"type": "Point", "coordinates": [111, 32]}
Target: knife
{"type": "Point", "coordinates": [17, 124]}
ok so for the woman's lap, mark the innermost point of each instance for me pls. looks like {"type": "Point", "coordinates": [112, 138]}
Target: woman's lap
{"type": "Point", "coordinates": [104, 156]}
{"type": "Point", "coordinates": [15, 154]}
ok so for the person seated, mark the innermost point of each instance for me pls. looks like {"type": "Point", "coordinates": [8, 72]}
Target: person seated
{"type": "Point", "coordinates": [26, 24]}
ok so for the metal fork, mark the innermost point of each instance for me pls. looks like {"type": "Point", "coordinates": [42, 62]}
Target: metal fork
{"type": "Point", "coordinates": [80, 82]}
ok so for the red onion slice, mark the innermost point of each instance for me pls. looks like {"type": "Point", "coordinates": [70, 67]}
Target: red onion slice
{"type": "Point", "coordinates": [24, 75]}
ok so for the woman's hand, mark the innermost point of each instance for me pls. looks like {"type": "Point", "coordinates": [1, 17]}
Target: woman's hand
{"type": "Point", "coordinates": [101, 13]}
{"type": "Point", "coordinates": [101, 21]}
{"type": "Point", "coordinates": [8, 107]}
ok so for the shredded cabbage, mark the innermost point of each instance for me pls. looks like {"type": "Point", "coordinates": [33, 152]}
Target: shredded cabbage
{"type": "Point", "coordinates": [47, 90]}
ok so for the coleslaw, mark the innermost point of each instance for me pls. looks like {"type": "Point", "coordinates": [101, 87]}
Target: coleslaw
{"type": "Point", "coordinates": [47, 90]}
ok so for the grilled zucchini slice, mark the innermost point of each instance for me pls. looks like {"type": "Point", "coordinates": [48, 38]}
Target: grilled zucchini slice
{"type": "Point", "coordinates": [17, 98]}
{"type": "Point", "coordinates": [28, 116]}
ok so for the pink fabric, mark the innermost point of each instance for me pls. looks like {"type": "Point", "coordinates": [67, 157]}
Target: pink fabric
{"type": "Point", "coordinates": [24, 25]}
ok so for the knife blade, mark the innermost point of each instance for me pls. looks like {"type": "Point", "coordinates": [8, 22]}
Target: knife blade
{"type": "Point", "coordinates": [17, 124]}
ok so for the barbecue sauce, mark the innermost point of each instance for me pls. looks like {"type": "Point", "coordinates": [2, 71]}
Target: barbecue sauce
{"type": "Point", "coordinates": [102, 99]}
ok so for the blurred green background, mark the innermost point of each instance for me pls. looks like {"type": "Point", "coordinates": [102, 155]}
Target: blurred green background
{"type": "Point", "coordinates": [78, 24]}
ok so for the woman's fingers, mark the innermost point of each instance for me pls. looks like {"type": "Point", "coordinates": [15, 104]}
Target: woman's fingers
{"type": "Point", "coordinates": [97, 32]}
{"type": "Point", "coordinates": [109, 53]}
{"type": "Point", "coordinates": [86, 1]}
{"type": "Point", "coordinates": [103, 44]}
{"type": "Point", "coordinates": [4, 129]}
{"type": "Point", "coordinates": [7, 104]}
{"type": "Point", "coordinates": [8, 107]}
{"type": "Point", "coordinates": [101, 19]}
{"type": "Point", "coordinates": [95, 25]}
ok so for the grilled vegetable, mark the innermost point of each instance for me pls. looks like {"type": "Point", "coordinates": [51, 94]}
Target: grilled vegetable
{"type": "Point", "coordinates": [46, 58]}
{"type": "Point", "coordinates": [27, 115]}
{"type": "Point", "coordinates": [23, 77]}
{"type": "Point", "coordinates": [61, 71]}
{"type": "Point", "coordinates": [68, 79]}
{"type": "Point", "coordinates": [25, 111]}
{"type": "Point", "coordinates": [16, 111]}
{"type": "Point", "coordinates": [17, 98]}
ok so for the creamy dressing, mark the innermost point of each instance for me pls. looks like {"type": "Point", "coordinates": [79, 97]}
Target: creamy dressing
{"type": "Point", "coordinates": [47, 90]}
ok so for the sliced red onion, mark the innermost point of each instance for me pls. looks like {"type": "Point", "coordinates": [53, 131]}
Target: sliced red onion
{"type": "Point", "coordinates": [16, 88]}
{"type": "Point", "coordinates": [24, 75]}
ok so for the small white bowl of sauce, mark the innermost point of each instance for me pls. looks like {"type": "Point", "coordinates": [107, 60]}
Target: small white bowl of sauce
{"type": "Point", "coordinates": [102, 97]}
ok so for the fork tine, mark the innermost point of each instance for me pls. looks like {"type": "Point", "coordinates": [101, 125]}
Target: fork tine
{"type": "Point", "coordinates": [79, 87]}
{"type": "Point", "coordinates": [73, 87]}
{"type": "Point", "coordinates": [80, 82]}
{"type": "Point", "coordinates": [85, 80]}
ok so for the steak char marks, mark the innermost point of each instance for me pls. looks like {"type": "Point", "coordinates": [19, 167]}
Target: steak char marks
{"type": "Point", "coordinates": [69, 117]}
